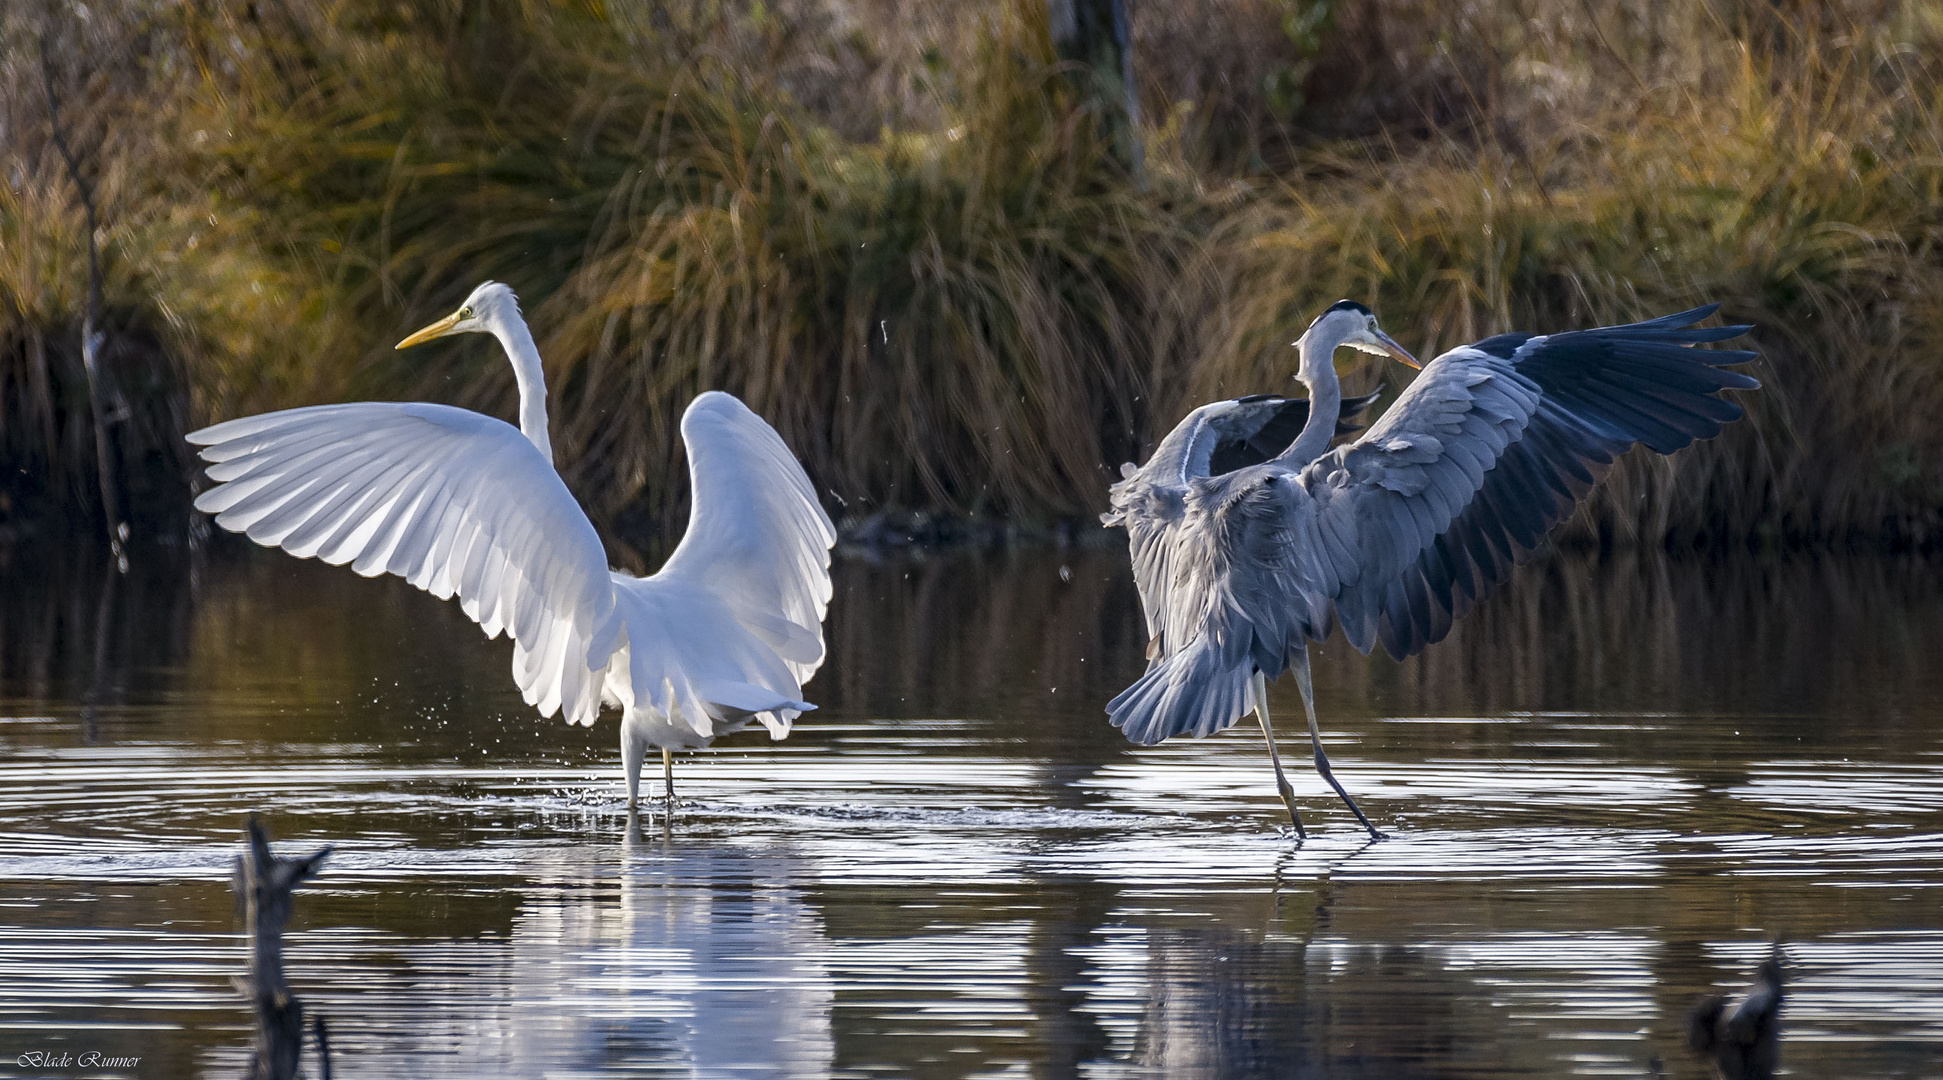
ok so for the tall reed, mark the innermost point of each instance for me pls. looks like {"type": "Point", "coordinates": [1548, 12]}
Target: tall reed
{"type": "Point", "coordinates": [1797, 187]}
{"type": "Point", "coordinates": [85, 71]}
{"type": "Point", "coordinates": [891, 229]}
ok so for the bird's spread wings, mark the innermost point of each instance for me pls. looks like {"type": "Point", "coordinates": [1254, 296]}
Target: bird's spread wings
{"type": "Point", "coordinates": [757, 536]}
{"type": "Point", "coordinates": [1215, 439]}
{"type": "Point", "coordinates": [450, 500]}
{"type": "Point", "coordinates": [1488, 449]}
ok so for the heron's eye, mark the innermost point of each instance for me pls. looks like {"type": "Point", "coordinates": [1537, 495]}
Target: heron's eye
{"type": "Point", "coordinates": [465, 313]}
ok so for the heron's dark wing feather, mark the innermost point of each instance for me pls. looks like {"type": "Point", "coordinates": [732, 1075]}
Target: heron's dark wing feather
{"type": "Point", "coordinates": [1263, 425]}
{"type": "Point", "coordinates": [1437, 528]}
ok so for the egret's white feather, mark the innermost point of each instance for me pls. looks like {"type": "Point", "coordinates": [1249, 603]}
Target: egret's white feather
{"type": "Point", "coordinates": [529, 547]}
{"type": "Point", "coordinates": [457, 503]}
{"type": "Point", "coordinates": [757, 536]}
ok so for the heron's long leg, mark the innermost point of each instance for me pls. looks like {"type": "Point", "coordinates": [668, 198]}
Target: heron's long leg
{"type": "Point", "coordinates": [668, 776]}
{"type": "Point", "coordinates": [1275, 756]}
{"type": "Point", "coordinates": [1307, 686]}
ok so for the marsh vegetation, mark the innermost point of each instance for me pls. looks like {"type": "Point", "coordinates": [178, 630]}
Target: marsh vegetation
{"type": "Point", "coordinates": [895, 231]}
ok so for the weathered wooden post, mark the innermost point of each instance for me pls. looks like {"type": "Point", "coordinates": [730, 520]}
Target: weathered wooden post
{"type": "Point", "coordinates": [1744, 1044]}
{"type": "Point", "coordinates": [263, 885]}
{"type": "Point", "coordinates": [1098, 36]}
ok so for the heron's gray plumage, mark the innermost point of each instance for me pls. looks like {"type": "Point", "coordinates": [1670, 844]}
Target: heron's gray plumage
{"type": "Point", "coordinates": [1217, 439]}
{"type": "Point", "coordinates": [1262, 425]}
{"type": "Point", "coordinates": [1402, 531]}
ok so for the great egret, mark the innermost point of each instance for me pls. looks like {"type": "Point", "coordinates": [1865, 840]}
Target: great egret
{"type": "Point", "coordinates": [1399, 533]}
{"type": "Point", "coordinates": [460, 503]}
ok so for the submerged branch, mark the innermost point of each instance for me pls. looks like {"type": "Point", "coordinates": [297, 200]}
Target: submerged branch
{"type": "Point", "coordinates": [263, 885]}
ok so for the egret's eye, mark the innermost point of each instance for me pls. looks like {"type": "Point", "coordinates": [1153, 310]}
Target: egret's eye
{"type": "Point", "coordinates": [465, 313]}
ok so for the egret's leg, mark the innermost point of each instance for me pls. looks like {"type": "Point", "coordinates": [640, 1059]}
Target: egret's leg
{"type": "Point", "coordinates": [668, 775]}
{"type": "Point", "coordinates": [632, 751]}
{"type": "Point", "coordinates": [1275, 756]}
{"type": "Point", "coordinates": [1303, 681]}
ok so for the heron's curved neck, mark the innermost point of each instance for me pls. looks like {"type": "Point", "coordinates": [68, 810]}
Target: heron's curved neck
{"type": "Point", "coordinates": [1318, 373]}
{"type": "Point", "coordinates": [517, 340]}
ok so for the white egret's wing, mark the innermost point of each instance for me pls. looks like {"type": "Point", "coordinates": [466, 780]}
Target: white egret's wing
{"type": "Point", "coordinates": [1488, 449]}
{"type": "Point", "coordinates": [450, 500]}
{"type": "Point", "coordinates": [691, 659]}
{"type": "Point", "coordinates": [757, 536]}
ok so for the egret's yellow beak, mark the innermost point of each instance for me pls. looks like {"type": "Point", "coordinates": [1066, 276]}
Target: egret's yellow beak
{"type": "Point", "coordinates": [438, 329]}
{"type": "Point", "coordinates": [1401, 354]}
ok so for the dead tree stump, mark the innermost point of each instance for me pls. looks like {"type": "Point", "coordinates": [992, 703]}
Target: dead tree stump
{"type": "Point", "coordinates": [1745, 1043]}
{"type": "Point", "coordinates": [1096, 37]}
{"type": "Point", "coordinates": [263, 885]}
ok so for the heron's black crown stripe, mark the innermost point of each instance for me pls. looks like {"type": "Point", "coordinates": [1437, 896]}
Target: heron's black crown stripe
{"type": "Point", "coordinates": [1347, 305]}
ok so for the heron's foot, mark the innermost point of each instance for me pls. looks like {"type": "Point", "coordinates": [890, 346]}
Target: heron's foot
{"type": "Point", "coordinates": [1295, 819]}
{"type": "Point", "coordinates": [1322, 766]}
{"type": "Point", "coordinates": [1375, 834]}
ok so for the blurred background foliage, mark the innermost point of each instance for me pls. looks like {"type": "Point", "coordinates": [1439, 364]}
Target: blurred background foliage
{"type": "Point", "coordinates": [893, 230]}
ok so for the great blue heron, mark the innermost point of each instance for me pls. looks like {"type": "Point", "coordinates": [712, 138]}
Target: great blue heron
{"type": "Point", "coordinates": [456, 502]}
{"type": "Point", "coordinates": [1241, 554]}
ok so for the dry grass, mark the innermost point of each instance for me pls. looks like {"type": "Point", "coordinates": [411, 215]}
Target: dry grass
{"type": "Point", "coordinates": [888, 228]}
{"type": "Point", "coordinates": [1798, 188]}
{"type": "Point", "coordinates": [47, 443]}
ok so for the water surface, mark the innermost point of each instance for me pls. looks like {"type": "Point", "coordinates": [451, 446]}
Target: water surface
{"type": "Point", "coordinates": [1608, 792]}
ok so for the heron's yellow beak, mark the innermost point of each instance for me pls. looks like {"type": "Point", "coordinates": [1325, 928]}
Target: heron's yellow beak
{"type": "Point", "coordinates": [438, 329]}
{"type": "Point", "coordinates": [1398, 352]}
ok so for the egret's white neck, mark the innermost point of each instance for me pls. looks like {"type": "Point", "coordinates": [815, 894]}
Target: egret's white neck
{"type": "Point", "coordinates": [517, 340]}
{"type": "Point", "coordinates": [1318, 373]}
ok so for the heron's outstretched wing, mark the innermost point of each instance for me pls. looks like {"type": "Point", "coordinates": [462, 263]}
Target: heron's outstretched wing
{"type": "Point", "coordinates": [757, 536]}
{"type": "Point", "coordinates": [450, 500]}
{"type": "Point", "coordinates": [1488, 449]}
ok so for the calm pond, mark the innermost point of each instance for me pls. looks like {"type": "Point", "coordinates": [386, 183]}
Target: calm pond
{"type": "Point", "coordinates": [1609, 791]}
